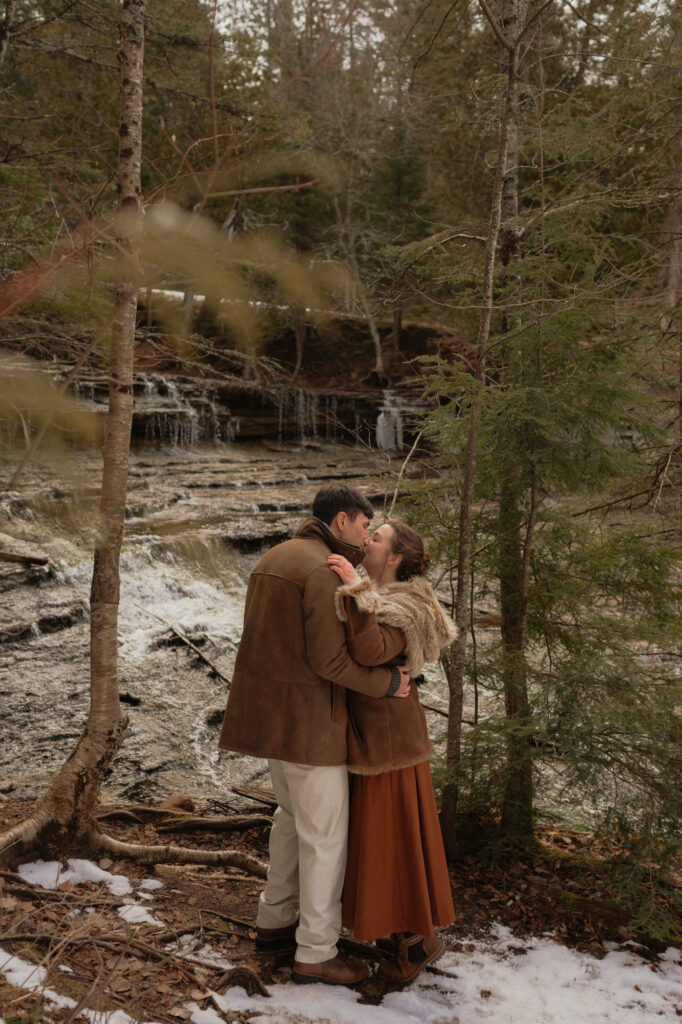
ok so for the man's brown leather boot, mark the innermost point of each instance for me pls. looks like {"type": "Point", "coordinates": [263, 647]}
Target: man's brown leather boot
{"type": "Point", "coordinates": [330, 972]}
{"type": "Point", "coordinates": [414, 953]}
{"type": "Point", "coordinates": [276, 938]}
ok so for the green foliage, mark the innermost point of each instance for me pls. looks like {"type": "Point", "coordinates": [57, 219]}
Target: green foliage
{"type": "Point", "coordinates": [641, 876]}
{"type": "Point", "coordinates": [569, 421]}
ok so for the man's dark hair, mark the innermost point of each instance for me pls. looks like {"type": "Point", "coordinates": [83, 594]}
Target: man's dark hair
{"type": "Point", "coordinates": [339, 498]}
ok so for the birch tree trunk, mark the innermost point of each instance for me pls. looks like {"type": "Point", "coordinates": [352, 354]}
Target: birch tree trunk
{"type": "Point", "coordinates": [65, 816]}
{"type": "Point", "coordinates": [105, 713]}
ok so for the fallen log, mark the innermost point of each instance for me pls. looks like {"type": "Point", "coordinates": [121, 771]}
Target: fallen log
{"type": "Point", "coordinates": [138, 813]}
{"type": "Point", "coordinates": [231, 823]}
{"type": "Point", "coordinates": [15, 556]}
{"type": "Point", "coordinates": [259, 794]}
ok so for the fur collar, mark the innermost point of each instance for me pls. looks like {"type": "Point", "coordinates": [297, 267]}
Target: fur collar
{"type": "Point", "coordinates": [411, 606]}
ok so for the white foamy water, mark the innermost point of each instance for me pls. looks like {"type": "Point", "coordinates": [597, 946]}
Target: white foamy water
{"type": "Point", "coordinates": [153, 589]}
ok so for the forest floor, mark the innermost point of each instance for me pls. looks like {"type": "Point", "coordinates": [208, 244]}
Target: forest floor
{"type": "Point", "coordinates": [541, 940]}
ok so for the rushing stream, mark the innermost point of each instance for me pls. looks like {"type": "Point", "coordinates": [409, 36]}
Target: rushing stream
{"type": "Point", "coordinates": [197, 521]}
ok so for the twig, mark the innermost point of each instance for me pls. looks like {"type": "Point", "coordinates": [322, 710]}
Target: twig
{"type": "Point", "coordinates": [422, 56]}
{"type": "Point", "coordinates": [663, 481]}
{"type": "Point", "coordinates": [185, 639]}
{"type": "Point", "coordinates": [616, 501]}
{"type": "Point", "coordinates": [402, 471]}
{"type": "Point", "coordinates": [266, 188]}
{"type": "Point", "coordinates": [438, 711]}
{"type": "Point", "coordinates": [531, 21]}
{"type": "Point", "coordinates": [582, 18]}
{"type": "Point", "coordinates": [230, 920]}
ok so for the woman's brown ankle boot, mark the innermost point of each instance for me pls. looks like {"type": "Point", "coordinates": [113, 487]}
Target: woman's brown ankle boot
{"type": "Point", "coordinates": [413, 954]}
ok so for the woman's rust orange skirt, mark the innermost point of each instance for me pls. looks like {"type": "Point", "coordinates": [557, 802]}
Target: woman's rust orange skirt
{"type": "Point", "coordinates": [397, 875]}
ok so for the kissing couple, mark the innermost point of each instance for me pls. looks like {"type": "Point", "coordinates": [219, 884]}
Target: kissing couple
{"type": "Point", "coordinates": [323, 687]}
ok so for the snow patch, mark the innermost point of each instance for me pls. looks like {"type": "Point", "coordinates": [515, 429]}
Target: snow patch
{"type": "Point", "coordinates": [51, 874]}
{"type": "Point", "coordinates": [550, 984]}
{"type": "Point", "coordinates": [210, 1016]}
{"type": "Point", "coordinates": [31, 977]}
{"type": "Point", "coordinates": [205, 953]}
{"type": "Point", "coordinates": [134, 913]}
{"type": "Point", "coordinates": [151, 883]}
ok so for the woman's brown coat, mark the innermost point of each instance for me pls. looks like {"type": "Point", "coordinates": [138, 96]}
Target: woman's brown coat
{"type": "Point", "coordinates": [396, 624]}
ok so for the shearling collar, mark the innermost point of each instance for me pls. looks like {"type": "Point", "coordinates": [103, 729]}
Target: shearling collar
{"type": "Point", "coordinates": [411, 606]}
{"type": "Point", "coordinates": [314, 527]}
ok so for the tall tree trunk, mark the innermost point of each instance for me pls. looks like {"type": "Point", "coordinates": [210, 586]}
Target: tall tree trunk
{"type": "Point", "coordinates": [672, 234]}
{"type": "Point", "coordinates": [672, 237]}
{"type": "Point", "coordinates": [517, 803]}
{"type": "Point", "coordinates": [454, 661]}
{"type": "Point", "coordinates": [105, 712]}
{"type": "Point", "coordinates": [347, 236]}
{"type": "Point", "coordinates": [6, 28]}
{"type": "Point", "coordinates": [65, 816]}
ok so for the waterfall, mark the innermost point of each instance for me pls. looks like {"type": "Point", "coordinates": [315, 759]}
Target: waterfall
{"type": "Point", "coordinates": [389, 428]}
{"type": "Point", "coordinates": [172, 428]}
{"type": "Point", "coordinates": [182, 411]}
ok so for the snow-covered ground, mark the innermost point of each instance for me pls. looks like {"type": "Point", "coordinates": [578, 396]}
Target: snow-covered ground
{"type": "Point", "coordinates": [500, 979]}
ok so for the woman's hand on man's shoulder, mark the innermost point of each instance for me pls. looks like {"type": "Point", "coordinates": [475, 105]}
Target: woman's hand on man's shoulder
{"type": "Point", "coordinates": [343, 568]}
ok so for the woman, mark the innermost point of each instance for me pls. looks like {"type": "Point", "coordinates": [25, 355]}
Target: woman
{"type": "Point", "coordinates": [396, 879]}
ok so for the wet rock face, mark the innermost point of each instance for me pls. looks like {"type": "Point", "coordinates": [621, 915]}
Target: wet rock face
{"type": "Point", "coordinates": [197, 521]}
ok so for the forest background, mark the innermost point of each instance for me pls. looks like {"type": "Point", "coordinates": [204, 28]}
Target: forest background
{"type": "Point", "coordinates": [490, 194]}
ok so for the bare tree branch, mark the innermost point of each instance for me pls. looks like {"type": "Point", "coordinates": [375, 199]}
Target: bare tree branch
{"type": "Point", "coordinates": [499, 35]}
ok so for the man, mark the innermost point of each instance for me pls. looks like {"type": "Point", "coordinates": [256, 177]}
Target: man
{"type": "Point", "coordinates": [287, 703]}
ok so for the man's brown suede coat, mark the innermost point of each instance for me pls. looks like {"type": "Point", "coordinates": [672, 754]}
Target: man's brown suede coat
{"type": "Point", "coordinates": [288, 694]}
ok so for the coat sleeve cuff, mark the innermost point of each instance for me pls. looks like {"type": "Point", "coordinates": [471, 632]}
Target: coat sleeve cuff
{"type": "Point", "coordinates": [361, 590]}
{"type": "Point", "coordinates": [394, 685]}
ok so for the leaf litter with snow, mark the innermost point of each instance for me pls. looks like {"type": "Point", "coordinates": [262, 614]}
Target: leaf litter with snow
{"type": "Point", "coordinates": [498, 978]}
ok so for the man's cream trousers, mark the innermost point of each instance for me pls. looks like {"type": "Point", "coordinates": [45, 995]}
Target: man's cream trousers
{"type": "Point", "coordinates": [308, 846]}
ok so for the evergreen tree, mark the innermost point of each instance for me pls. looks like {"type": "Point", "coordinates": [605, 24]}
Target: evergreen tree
{"type": "Point", "coordinates": [566, 411]}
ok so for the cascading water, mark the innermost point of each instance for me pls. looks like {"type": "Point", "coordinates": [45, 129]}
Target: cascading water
{"type": "Point", "coordinates": [389, 428]}
{"type": "Point", "coordinates": [306, 416]}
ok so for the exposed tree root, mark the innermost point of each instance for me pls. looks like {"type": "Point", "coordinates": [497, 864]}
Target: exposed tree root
{"type": "Point", "coordinates": [119, 814]}
{"type": "Point", "coordinates": [22, 836]}
{"type": "Point", "coordinates": [26, 836]}
{"type": "Point", "coordinates": [179, 855]}
{"type": "Point", "coordinates": [242, 976]}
